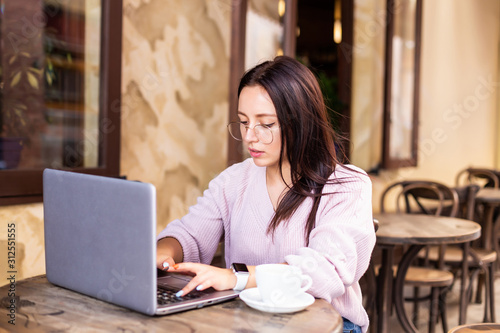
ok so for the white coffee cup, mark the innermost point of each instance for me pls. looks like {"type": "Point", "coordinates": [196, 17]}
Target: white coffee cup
{"type": "Point", "coordinates": [279, 284]}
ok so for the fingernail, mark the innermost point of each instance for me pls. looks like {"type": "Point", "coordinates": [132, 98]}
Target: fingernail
{"type": "Point", "coordinates": [200, 287]}
{"type": "Point", "coordinates": [165, 265]}
{"type": "Point", "coordinates": [179, 293]}
{"type": "Point", "coordinates": [176, 266]}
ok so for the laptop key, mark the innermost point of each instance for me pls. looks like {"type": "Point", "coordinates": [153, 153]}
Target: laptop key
{"type": "Point", "coordinates": [166, 295]}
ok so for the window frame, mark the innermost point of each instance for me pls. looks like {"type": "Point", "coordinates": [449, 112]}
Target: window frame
{"type": "Point", "coordinates": [388, 162]}
{"type": "Point", "coordinates": [25, 186]}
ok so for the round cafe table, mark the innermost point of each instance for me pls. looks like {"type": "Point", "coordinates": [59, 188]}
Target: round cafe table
{"type": "Point", "coordinates": [417, 231]}
{"type": "Point", "coordinates": [42, 307]}
{"type": "Point", "coordinates": [477, 328]}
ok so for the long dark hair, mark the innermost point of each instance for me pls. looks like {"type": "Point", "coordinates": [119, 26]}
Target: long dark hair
{"type": "Point", "coordinates": [308, 140]}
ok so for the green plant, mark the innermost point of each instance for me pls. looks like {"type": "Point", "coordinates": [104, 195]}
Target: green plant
{"type": "Point", "coordinates": [329, 87]}
{"type": "Point", "coordinates": [21, 91]}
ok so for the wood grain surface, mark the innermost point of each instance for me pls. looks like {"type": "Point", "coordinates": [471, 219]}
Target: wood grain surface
{"type": "Point", "coordinates": [476, 328]}
{"type": "Point", "coordinates": [398, 229]}
{"type": "Point", "coordinates": [43, 307]}
{"type": "Point", "coordinates": [490, 195]}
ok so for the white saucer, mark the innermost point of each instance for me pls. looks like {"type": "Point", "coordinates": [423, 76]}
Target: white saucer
{"type": "Point", "coordinates": [253, 299]}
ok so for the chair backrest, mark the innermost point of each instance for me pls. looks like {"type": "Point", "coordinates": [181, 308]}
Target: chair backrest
{"type": "Point", "coordinates": [467, 200]}
{"type": "Point", "coordinates": [481, 176]}
{"type": "Point", "coordinates": [422, 197]}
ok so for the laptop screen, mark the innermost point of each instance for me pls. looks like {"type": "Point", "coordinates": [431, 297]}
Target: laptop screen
{"type": "Point", "coordinates": [100, 237]}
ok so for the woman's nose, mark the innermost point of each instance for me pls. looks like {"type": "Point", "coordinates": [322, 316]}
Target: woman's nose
{"type": "Point", "coordinates": [250, 135]}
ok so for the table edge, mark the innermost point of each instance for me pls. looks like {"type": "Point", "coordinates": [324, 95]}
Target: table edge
{"type": "Point", "coordinates": [456, 239]}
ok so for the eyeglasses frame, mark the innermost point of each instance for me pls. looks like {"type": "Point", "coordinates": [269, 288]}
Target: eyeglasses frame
{"type": "Point", "coordinates": [252, 128]}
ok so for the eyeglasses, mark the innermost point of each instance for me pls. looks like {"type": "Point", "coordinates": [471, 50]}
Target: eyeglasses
{"type": "Point", "coordinates": [263, 132]}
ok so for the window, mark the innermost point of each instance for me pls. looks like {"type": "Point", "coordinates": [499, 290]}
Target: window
{"type": "Point", "coordinates": [402, 67]}
{"type": "Point", "coordinates": [59, 92]}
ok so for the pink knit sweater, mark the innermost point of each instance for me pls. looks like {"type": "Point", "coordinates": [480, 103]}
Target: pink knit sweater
{"type": "Point", "coordinates": [237, 206]}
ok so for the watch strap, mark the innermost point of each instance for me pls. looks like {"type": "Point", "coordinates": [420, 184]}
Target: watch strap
{"type": "Point", "coordinates": [241, 279]}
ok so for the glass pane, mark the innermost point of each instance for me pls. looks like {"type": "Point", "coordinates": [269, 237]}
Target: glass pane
{"type": "Point", "coordinates": [319, 34]}
{"type": "Point", "coordinates": [403, 76]}
{"type": "Point", "coordinates": [49, 83]}
{"type": "Point", "coordinates": [264, 31]}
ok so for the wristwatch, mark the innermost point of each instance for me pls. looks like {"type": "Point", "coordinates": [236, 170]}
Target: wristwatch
{"type": "Point", "coordinates": [242, 275]}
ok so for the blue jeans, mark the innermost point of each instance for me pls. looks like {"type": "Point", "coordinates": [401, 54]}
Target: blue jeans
{"type": "Point", "coordinates": [350, 327]}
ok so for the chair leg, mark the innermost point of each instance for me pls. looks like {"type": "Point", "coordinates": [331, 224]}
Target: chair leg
{"type": "Point", "coordinates": [442, 309]}
{"type": "Point", "coordinates": [490, 293]}
{"type": "Point", "coordinates": [487, 295]}
{"type": "Point", "coordinates": [473, 275]}
{"type": "Point", "coordinates": [370, 297]}
{"type": "Point", "coordinates": [433, 309]}
{"type": "Point", "coordinates": [479, 291]}
{"type": "Point", "coordinates": [415, 305]}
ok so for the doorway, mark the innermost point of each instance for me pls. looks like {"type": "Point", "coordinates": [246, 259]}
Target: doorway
{"type": "Point", "coordinates": [323, 40]}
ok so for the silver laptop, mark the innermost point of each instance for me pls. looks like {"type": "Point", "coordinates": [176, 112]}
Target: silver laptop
{"type": "Point", "coordinates": [100, 240]}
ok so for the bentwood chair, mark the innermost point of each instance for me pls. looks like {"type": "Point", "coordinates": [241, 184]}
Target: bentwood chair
{"type": "Point", "coordinates": [480, 260]}
{"type": "Point", "coordinates": [369, 287]}
{"type": "Point", "coordinates": [423, 197]}
{"type": "Point", "coordinates": [480, 176]}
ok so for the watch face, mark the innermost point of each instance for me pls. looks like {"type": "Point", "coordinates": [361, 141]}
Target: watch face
{"type": "Point", "coordinates": [240, 267]}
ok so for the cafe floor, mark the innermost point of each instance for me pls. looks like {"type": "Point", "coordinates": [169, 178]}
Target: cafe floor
{"type": "Point", "coordinates": [475, 312]}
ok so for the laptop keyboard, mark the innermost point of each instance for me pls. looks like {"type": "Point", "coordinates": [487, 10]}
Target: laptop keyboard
{"type": "Point", "coordinates": [166, 295]}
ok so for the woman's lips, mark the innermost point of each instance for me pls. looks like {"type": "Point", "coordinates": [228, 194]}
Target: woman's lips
{"type": "Point", "coordinates": [255, 153]}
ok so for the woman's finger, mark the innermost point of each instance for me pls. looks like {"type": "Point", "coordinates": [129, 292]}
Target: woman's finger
{"type": "Point", "coordinates": [188, 267]}
{"type": "Point", "coordinates": [195, 282]}
{"type": "Point", "coordinates": [165, 263]}
{"type": "Point", "coordinates": [205, 276]}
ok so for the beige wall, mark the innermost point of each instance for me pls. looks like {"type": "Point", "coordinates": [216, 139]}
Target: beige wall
{"type": "Point", "coordinates": [30, 258]}
{"type": "Point", "coordinates": [175, 97]}
{"type": "Point", "coordinates": [458, 93]}
{"type": "Point", "coordinates": [175, 88]}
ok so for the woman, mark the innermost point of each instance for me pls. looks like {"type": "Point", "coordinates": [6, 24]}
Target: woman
{"type": "Point", "coordinates": [292, 202]}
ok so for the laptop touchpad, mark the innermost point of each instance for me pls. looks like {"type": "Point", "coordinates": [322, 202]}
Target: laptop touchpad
{"type": "Point", "coordinates": [174, 280]}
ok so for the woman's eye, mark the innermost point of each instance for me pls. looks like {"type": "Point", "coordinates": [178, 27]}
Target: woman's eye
{"type": "Point", "coordinates": [244, 122]}
{"type": "Point", "coordinates": [268, 125]}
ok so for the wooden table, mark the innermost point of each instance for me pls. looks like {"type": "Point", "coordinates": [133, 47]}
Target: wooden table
{"type": "Point", "coordinates": [490, 199]}
{"type": "Point", "coordinates": [41, 306]}
{"type": "Point", "coordinates": [476, 328]}
{"type": "Point", "coordinates": [418, 231]}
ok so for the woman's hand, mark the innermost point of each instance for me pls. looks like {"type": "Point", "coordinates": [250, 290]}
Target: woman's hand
{"type": "Point", "coordinates": [164, 262]}
{"type": "Point", "coordinates": [168, 251]}
{"type": "Point", "coordinates": [205, 276]}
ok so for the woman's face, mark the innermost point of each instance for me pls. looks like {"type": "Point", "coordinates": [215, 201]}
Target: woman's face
{"type": "Point", "coordinates": [256, 108]}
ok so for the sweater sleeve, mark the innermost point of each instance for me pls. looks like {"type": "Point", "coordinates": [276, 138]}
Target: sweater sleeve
{"type": "Point", "coordinates": [341, 244]}
{"type": "Point", "coordinates": [200, 231]}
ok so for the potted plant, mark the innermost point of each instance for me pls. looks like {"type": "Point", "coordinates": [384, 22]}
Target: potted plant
{"type": "Point", "coordinates": [11, 144]}
{"type": "Point", "coordinates": [21, 88]}
{"type": "Point", "coordinates": [21, 93]}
